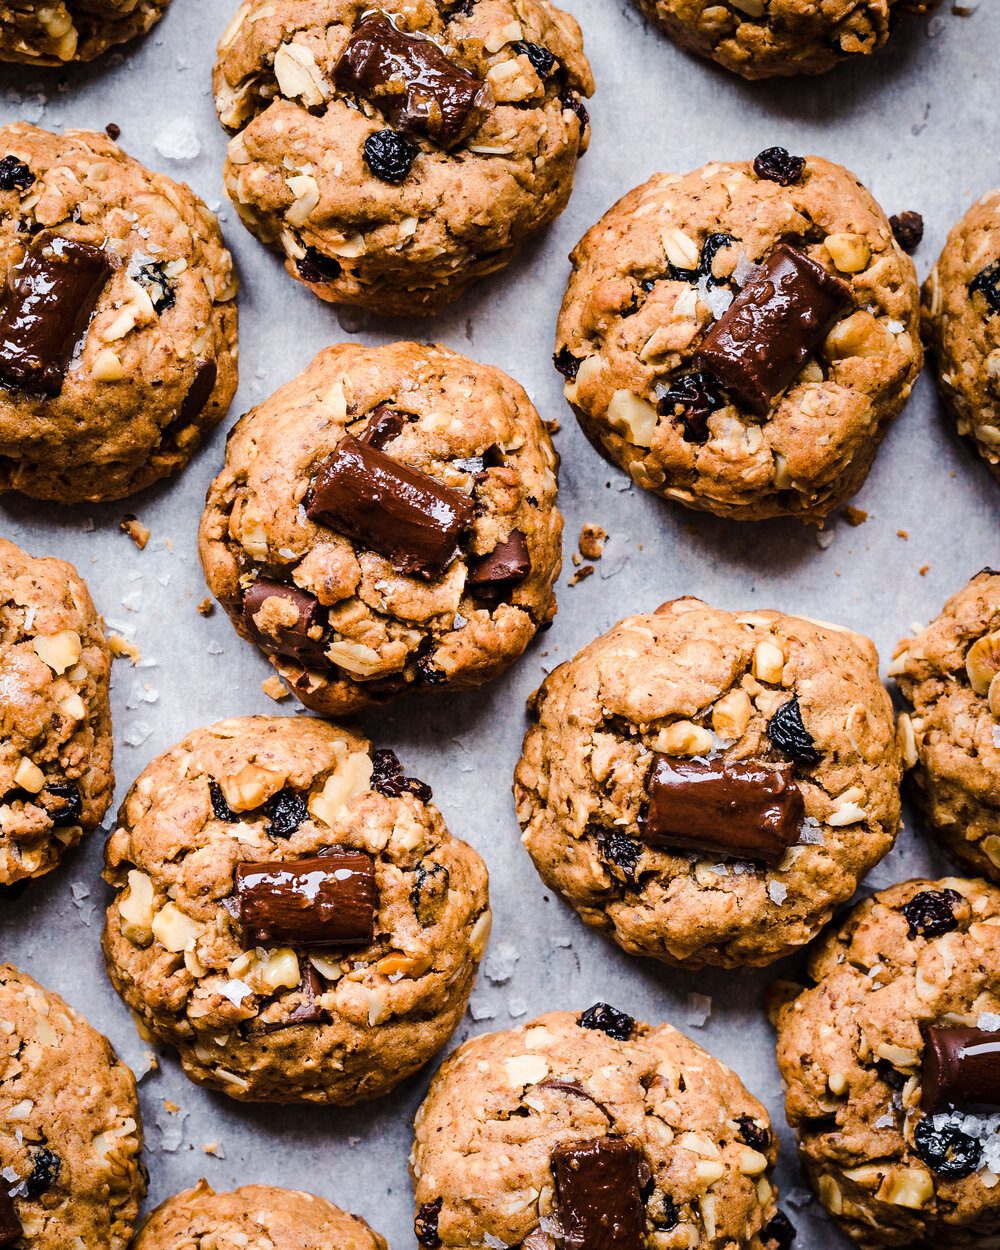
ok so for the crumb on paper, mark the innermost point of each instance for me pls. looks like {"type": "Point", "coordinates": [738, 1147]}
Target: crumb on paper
{"type": "Point", "coordinates": [207, 606]}
{"type": "Point", "coordinates": [121, 648]}
{"type": "Point", "coordinates": [171, 1106]}
{"type": "Point", "coordinates": [214, 1148]}
{"type": "Point", "coordinates": [903, 534]}
{"type": "Point", "coordinates": [924, 570]}
{"type": "Point", "coordinates": [592, 540]}
{"type": "Point", "coordinates": [553, 426]}
{"type": "Point", "coordinates": [139, 533]}
{"type": "Point", "coordinates": [854, 516]}
{"type": "Point", "coordinates": [582, 574]}
{"type": "Point", "coordinates": [275, 688]}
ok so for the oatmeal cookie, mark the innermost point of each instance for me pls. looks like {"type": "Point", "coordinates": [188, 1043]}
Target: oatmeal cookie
{"type": "Point", "coordinates": [70, 1168]}
{"type": "Point", "coordinates": [291, 912]}
{"type": "Point", "coordinates": [385, 522]}
{"type": "Point", "coordinates": [254, 1216]}
{"type": "Point", "coordinates": [891, 1063]}
{"type": "Point", "coordinates": [962, 326]}
{"type": "Point", "coordinates": [951, 675]}
{"type": "Point", "coordinates": [394, 159]}
{"type": "Point", "coordinates": [58, 31]}
{"type": "Point", "coordinates": [708, 786]}
{"type": "Point", "coordinates": [740, 338]}
{"type": "Point", "coordinates": [56, 779]}
{"type": "Point", "coordinates": [592, 1130]}
{"type": "Point", "coordinates": [117, 319]}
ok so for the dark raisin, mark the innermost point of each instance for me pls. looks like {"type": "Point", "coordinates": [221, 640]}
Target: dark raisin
{"type": "Point", "coordinates": [695, 396]}
{"type": "Point", "coordinates": [664, 1213]}
{"type": "Point", "coordinates": [220, 808]}
{"type": "Point", "coordinates": [286, 811]}
{"type": "Point", "coordinates": [987, 283]}
{"type": "Point", "coordinates": [429, 892]}
{"type": "Point", "coordinates": [892, 1076]}
{"type": "Point", "coordinates": [45, 1167]}
{"type": "Point", "coordinates": [752, 1134]}
{"type": "Point", "coordinates": [789, 734]}
{"type": "Point", "coordinates": [315, 267]}
{"type": "Point", "coordinates": [947, 1151]}
{"type": "Point", "coordinates": [390, 155]}
{"type": "Point", "coordinates": [70, 814]}
{"type": "Point", "coordinates": [388, 779]}
{"type": "Point", "coordinates": [567, 364]}
{"type": "Point", "coordinates": [113, 131]}
{"type": "Point", "coordinates": [428, 674]}
{"type": "Point", "coordinates": [777, 165]}
{"type": "Point", "coordinates": [909, 230]}
{"type": "Point", "coordinates": [15, 175]}
{"type": "Point", "coordinates": [155, 283]}
{"type": "Point", "coordinates": [621, 850]}
{"type": "Point", "coordinates": [541, 58]}
{"type": "Point", "coordinates": [709, 249]}
{"type": "Point", "coordinates": [570, 100]}
{"type": "Point", "coordinates": [931, 913]}
{"type": "Point", "coordinates": [607, 1019]}
{"type": "Point", "coordinates": [779, 1233]}
{"type": "Point", "coordinates": [425, 1226]}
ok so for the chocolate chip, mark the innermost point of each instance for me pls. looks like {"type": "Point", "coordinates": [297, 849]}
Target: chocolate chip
{"type": "Point", "coordinates": [286, 811]}
{"type": "Point", "coordinates": [199, 392]}
{"type": "Point", "coordinates": [908, 228]}
{"type": "Point", "coordinates": [315, 267]}
{"type": "Point", "coordinates": [947, 1150]}
{"type": "Point", "coordinates": [789, 734]}
{"type": "Point", "coordinates": [691, 400]}
{"type": "Point", "coordinates": [425, 1226]}
{"type": "Point", "coordinates": [508, 563]}
{"type": "Point", "coordinates": [301, 639]}
{"type": "Point", "coordinates": [71, 807]}
{"type": "Point", "coordinates": [113, 131]}
{"type": "Point", "coordinates": [154, 281]}
{"type": "Point", "coordinates": [323, 900]}
{"type": "Point", "coordinates": [987, 283]}
{"type": "Point", "coordinates": [45, 1168]}
{"type": "Point", "coordinates": [961, 1066]}
{"type": "Point", "coordinates": [753, 1134]}
{"type": "Point", "coordinates": [308, 1011]}
{"type": "Point", "coordinates": [388, 779]}
{"type": "Point", "coordinates": [777, 165]}
{"type": "Point", "coordinates": [390, 155]}
{"type": "Point", "coordinates": [15, 175]}
{"type": "Point", "coordinates": [778, 1233]}
{"type": "Point", "coordinates": [608, 1020]}
{"type": "Point", "coordinates": [220, 808]}
{"type": "Point", "coordinates": [541, 58]}
{"type": "Point", "coordinates": [622, 851]}
{"type": "Point", "coordinates": [566, 363]}
{"type": "Point", "coordinates": [384, 424]}
{"type": "Point", "coordinates": [10, 1225]}
{"type": "Point", "coordinates": [599, 1194]}
{"type": "Point", "coordinates": [931, 913]}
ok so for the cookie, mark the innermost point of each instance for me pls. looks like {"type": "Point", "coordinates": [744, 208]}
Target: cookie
{"type": "Point", "coordinates": [71, 30]}
{"type": "Point", "coordinates": [254, 1216]}
{"type": "Point", "coordinates": [110, 384]}
{"type": "Point", "coordinates": [961, 301]}
{"type": "Point", "coordinates": [739, 339]}
{"type": "Point", "coordinates": [56, 779]}
{"type": "Point", "coordinates": [762, 39]}
{"type": "Point", "coordinates": [386, 522]}
{"type": "Point", "coordinates": [592, 1130]}
{"type": "Point", "coordinates": [291, 912]}
{"type": "Point", "coordinates": [70, 1168]}
{"type": "Point", "coordinates": [891, 1063]}
{"type": "Point", "coordinates": [393, 160]}
{"type": "Point", "coordinates": [708, 786]}
{"type": "Point", "coordinates": [951, 738]}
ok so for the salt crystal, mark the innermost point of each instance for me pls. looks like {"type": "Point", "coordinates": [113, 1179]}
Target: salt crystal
{"type": "Point", "coordinates": [777, 892]}
{"type": "Point", "coordinates": [215, 648]}
{"type": "Point", "coordinates": [699, 1008]}
{"type": "Point", "coordinates": [517, 1008]}
{"type": "Point", "coordinates": [500, 963]}
{"type": "Point", "coordinates": [235, 991]}
{"type": "Point", "coordinates": [178, 140]}
{"type": "Point", "coordinates": [885, 1121]}
{"type": "Point", "coordinates": [990, 1022]}
{"type": "Point", "coordinates": [137, 733]}
{"type": "Point", "coordinates": [478, 1010]}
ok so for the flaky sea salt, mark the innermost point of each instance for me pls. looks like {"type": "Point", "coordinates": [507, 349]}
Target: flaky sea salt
{"type": "Point", "coordinates": [699, 1009]}
{"type": "Point", "coordinates": [776, 892]}
{"type": "Point", "coordinates": [178, 140]}
{"type": "Point", "coordinates": [989, 1021]}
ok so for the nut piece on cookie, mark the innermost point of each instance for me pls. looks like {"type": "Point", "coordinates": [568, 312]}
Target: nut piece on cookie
{"type": "Point", "coordinates": [254, 1215]}
{"type": "Point", "coordinates": [708, 786]}
{"type": "Point", "coordinates": [386, 522]}
{"type": "Point", "coordinates": [291, 912]}
{"type": "Point", "coordinates": [117, 319]}
{"type": "Point", "coordinates": [950, 674]}
{"type": "Point", "coordinates": [961, 306]}
{"type": "Point", "coordinates": [730, 353]}
{"type": "Point", "coordinates": [592, 1130]}
{"type": "Point", "coordinates": [72, 30]}
{"type": "Point", "coordinates": [395, 159]}
{"type": "Point", "coordinates": [72, 1135]}
{"type": "Point", "coordinates": [56, 780]}
{"type": "Point", "coordinates": [891, 1063]}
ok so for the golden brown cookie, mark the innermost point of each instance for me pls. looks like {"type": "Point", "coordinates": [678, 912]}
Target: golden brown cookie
{"type": "Point", "coordinates": [58, 31]}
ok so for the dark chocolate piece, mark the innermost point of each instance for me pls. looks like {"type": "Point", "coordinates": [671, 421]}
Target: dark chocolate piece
{"type": "Point", "coordinates": [325, 900]}
{"type": "Point", "coordinates": [407, 516]}
{"type": "Point", "coordinates": [200, 391]}
{"type": "Point", "coordinates": [304, 639]}
{"type": "Point", "coordinates": [308, 1011]}
{"type": "Point", "coordinates": [45, 1168]}
{"type": "Point", "coordinates": [987, 283]}
{"type": "Point", "coordinates": [770, 329]}
{"type": "Point", "coordinates": [736, 808]}
{"type": "Point", "coordinates": [425, 1226]}
{"type": "Point", "coordinates": [384, 424]}
{"type": "Point", "coordinates": [10, 1225]}
{"type": "Point", "coordinates": [691, 400]}
{"type": "Point", "coordinates": [390, 155]}
{"type": "Point", "coordinates": [599, 1194]}
{"type": "Point", "coordinates": [45, 311]}
{"type": "Point", "coordinates": [948, 1151]}
{"type": "Point", "coordinates": [315, 267]}
{"type": "Point", "coordinates": [608, 1020]}
{"type": "Point", "coordinates": [778, 165]}
{"type": "Point", "coordinates": [788, 733]}
{"type": "Point", "coordinates": [15, 174]}
{"type": "Point", "coordinates": [71, 804]}
{"type": "Point", "coordinates": [387, 778]}
{"type": "Point", "coordinates": [908, 229]}
{"type": "Point", "coordinates": [961, 1066]}
{"type": "Point", "coordinates": [931, 913]}
{"type": "Point", "coordinates": [507, 563]}
{"type": "Point", "coordinates": [409, 78]}
{"type": "Point", "coordinates": [286, 811]}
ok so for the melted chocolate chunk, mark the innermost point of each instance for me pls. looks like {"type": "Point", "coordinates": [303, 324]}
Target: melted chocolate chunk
{"type": "Point", "coordinates": [425, 1226]}
{"type": "Point", "coordinates": [691, 400]}
{"type": "Point", "coordinates": [315, 267]}
{"type": "Point", "coordinates": [622, 851]}
{"type": "Point", "coordinates": [508, 563]}
{"type": "Point", "coordinates": [778, 1233]}
{"type": "Point", "coordinates": [931, 913]}
{"type": "Point", "coordinates": [14, 174]}
{"type": "Point", "coordinates": [753, 1134]}
{"type": "Point", "coordinates": [961, 1066]}
{"type": "Point", "coordinates": [409, 78]}
{"type": "Point", "coordinates": [325, 900]}
{"type": "Point", "coordinates": [383, 426]}
{"type": "Point", "coordinates": [789, 734]}
{"type": "Point", "coordinates": [390, 155]}
{"type": "Point", "coordinates": [308, 1011]}
{"type": "Point", "coordinates": [45, 1168]}
{"type": "Point", "coordinates": [157, 286]}
{"type": "Point", "coordinates": [45, 311]}
{"type": "Point", "coordinates": [388, 779]}
{"type": "Point", "coordinates": [608, 1020]}
{"type": "Point", "coordinates": [566, 363]}
{"type": "Point", "coordinates": [70, 807]}
{"type": "Point", "coordinates": [947, 1150]}
{"type": "Point", "coordinates": [286, 811]}
{"type": "Point", "coordinates": [407, 516]}
{"type": "Point", "coordinates": [737, 808]}
{"type": "Point", "coordinates": [199, 392]}
{"type": "Point", "coordinates": [771, 328]}
{"type": "Point", "coordinates": [599, 1194]}
{"type": "Point", "coordinates": [303, 638]}
{"type": "Point", "coordinates": [542, 60]}
{"type": "Point", "coordinates": [220, 808]}
{"type": "Point", "coordinates": [908, 229]}
{"type": "Point", "coordinates": [777, 165]}
{"type": "Point", "coordinates": [10, 1225]}
{"type": "Point", "coordinates": [987, 283]}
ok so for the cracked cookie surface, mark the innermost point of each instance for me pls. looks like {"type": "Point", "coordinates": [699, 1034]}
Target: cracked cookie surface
{"type": "Point", "coordinates": [100, 409]}
{"type": "Point", "coordinates": [851, 1050]}
{"type": "Point", "coordinates": [56, 779]}
{"type": "Point", "coordinates": [951, 739]}
{"type": "Point", "coordinates": [376, 631]}
{"type": "Point", "coordinates": [70, 1149]}
{"type": "Point", "coordinates": [71, 30]}
{"type": "Point", "coordinates": [400, 214]}
{"type": "Point", "coordinates": [694, 683]}
{"type": "Point", "coordinates": [279, 1019]}
{"type": "Point", "coordinates": [661, 270]}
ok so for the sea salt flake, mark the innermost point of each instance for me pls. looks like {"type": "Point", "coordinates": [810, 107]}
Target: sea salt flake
{"type": "Point", "coordinates": [777, 892]}
{"type": "Point", "coordinates": [500, 963]}
{"type": "Point", "coordinates": [699, 1008]}
{"type": "Point", "coordinates": [989, 1021]}
{"type": "Point", "coordinates": [178, 140]}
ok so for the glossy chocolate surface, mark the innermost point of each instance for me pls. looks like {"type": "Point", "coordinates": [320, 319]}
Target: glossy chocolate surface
{"type": "Point", "coordinates": [325, 900]}
{"type": "Point", "coordinates": [507, 563]}
{"type": "Point", "coordinates": [599, 1195]}
{"type": "Point", "coordinates": [960, 1066]}
{"type": "Point", "coordinates": [301, 641]}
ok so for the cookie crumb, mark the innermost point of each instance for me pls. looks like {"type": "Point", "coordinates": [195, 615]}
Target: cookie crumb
{"type": "Point", "coordinates": [121, 648]}
{"type": "Point", "coordinates": [275, 688]}
{"type": "Point", "coordinates": [139, 533]}
{"type": "Point", "coordinates": [923, 570]}
{"type": "Point", "coordinates": [904, 534]}
{"type": "Point", "coordinates": [170, 1106]}
{"type": "Point", "coordinates": [592, 540]}
{"type": "Point", "coordinates": [214, 1148]}
{"type": "Point", "coordinates": [854, 516]}
{"type": "Point", "coordinates": [207, 606]}
{"type": "Point", "coordinates": [553, 426]}
{"type": "Point", "coordinates": [582, 574]}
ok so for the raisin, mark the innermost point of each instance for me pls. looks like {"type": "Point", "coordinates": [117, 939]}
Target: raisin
{"type": "Point", "coordinates": [607, 1019]}
{"type": "Point", "coordinates": [220, 808]}
{"type": "Point", "coordinates": [621, 850]}
{"type": "Point", "coordinates": [429, 892]}
{"type": "Point", "coordinates": [987, 282]}
{"type": "Point", "coordinates": [709, 249]}
{"type": "Point", "coordinates": [154, 282]}
{"type": "Point", "coordinates": [69, 792]}
{"type": "Point", "coordinates": [777, 165]}
{"type": "Point", "coordinates": [45, 1168]}
{"type": "Point", "coordinates": [286, 811]}
{"type": "Point", "coordinates": [388, 779]}
{"type": "Point", "coordinates": [570, 100]}
{"type": "Point", "coordinates": [664, 1214]}
{"type": "Point", "coordinates": [15, 175]}
{"type": "Point", "coordinates": [567, 364]}
{"type": "Point", "coordinates": [752, 1134]}
{"type": "Point", "coordinates": [315, 267]}
{"type": "Point", "coordinates": [425, 1226]}
{"type": "Point", "coordinates": [931, 913]}
{"type": "Point", "coordinates": [695, 395]}
{"type": "Point", "coordinates": [789, 734]}
{"type": "Point", "coordinates": [909, 230]}
{"type": "Point", "coordinates": [389, 155]}
{"type": "Point", "coordinates": [541, 58]}
{"type": "Point", "coordinates": [947, 1151]}
{"type": "Point", "coordinates": [779, 1233]}
{"type": "Point", "coordinates": [428, 674]}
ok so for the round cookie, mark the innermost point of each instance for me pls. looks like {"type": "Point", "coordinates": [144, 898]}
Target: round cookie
{"type": "Point", "coordinates": [898, 1135]}
{"type": "Point", "coordinates": [291, 912]}
{"type": "Point", "coordinates": [739, 338]}
{"type": "Point", "coordinates": [708, 786]}
{"type": "Point", "coordinates": [251, 1216]}
{"type": "Point", "coordinates": [771, 38]}
{"type": "Point", "coordinates": [394, 160]}
{"type": "Point", "coordinates": [571, 1127]}
{"type": "Point", "coordinates": [72, 1135]}
{"type": "Point", "coordinates": [951, 739]}
{"type": "Point", "coordinates": [962, 325]}
{"type": "Point", "coordinates": [111, 383]}
{"type": "Point", "coordinates": [71, 30]}
{"type": "Point", "coordinates": [385, 522]}
{"type": "Point", "coordinates": [56, 779]}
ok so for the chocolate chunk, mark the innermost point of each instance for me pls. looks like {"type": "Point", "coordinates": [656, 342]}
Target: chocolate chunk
{"type": "Point", "coordinates": [737, 808]}
{"type": "Point", "coordinates": [948, 1151]}
{"type": "Point", "coordinates": [45, 1168]}
{"type": "Point", "coordinates": [220, 808]}
{"type": "Point", "coordinates": [315, 267]}
{"type": "Point", "coordinates": [691, 400]}
{"type": "Point", "coordinates": [908, 229]}
{"type": "Point", "coordinates": [407, 516]}
{"type": "Point", "coordinates": [409, 78]}
{"type": "Point", "coordinates": [388, 779]}
{"type": "Point", "coordinates": [10, 1225]}
{"type": "Point", "coordinates": [383, 426]}
{"type": "Point", "coordinates": [303, 638]}
{"type": "Point", "coordinates": [777, 165]}
{"type": "Point", "coordinates": [325, 900]}
{"type": "Point", "coordinates": [507, 563]}
{"type": "Point", "coordinates": [769, 330]}
{"type": "Point", "coordinates": [987, 283]}
{"type": "Point", "coordinates": [752, 1134]}
{"type": "Point", "coordinates": [931, 913]}
{"type": "Point", "coordinates": [789, 734]}
{"type": "Point", "coordinates": [45, 310]}
{"type": "Point", "coordinates": [425, 1226]}
{"type": "Point", "coordinates": [14, 174]}
{"type": "Point", "coordinates": [608, 1020]}
{"type": "Point", "coordinates": [199, 392]}
{"type": "Point", "coordinates": [778, 1233]}
{"type": "Point", "coordinates": [961, 1066]}
{"type": "Point", "coordinates": [154, 281]}
{"type": "Point", "coordinates": [390, 155]}
{"type": "Point", "coordinates": [566, 363]}
{"type": "Point", "coordinates": [599, 1195]}
{"type": "Point", "coordinates": [308, 1011]}
{"type": "Point", "coordinates": [70, 807]}
{"type": "Point", "coordinates": [286, 811]}
{"type": "Point", "coordinates": [542, 60]}
{"type": "Point", "coordinates": [622, 851]}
